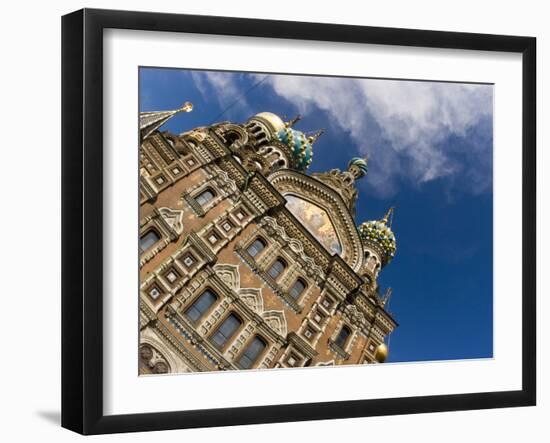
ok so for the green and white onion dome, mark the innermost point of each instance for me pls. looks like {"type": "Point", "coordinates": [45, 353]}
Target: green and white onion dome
{"type": "Point", "coordinates": [380, 235]}
{"type": "Point", "coordinates": [300, 147]}
{"type": "Point", "coordinates": [360, 163]}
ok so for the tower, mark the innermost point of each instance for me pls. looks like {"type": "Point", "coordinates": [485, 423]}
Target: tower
{"type": "Point", "coordinates": [246, 259]}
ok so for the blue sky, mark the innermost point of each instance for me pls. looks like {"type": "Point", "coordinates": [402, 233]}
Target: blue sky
{"type": "Point", "coordinates": [430, 155]}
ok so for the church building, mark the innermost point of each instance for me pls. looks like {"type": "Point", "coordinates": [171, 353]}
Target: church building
{"type": "Point", "coordinates": [247, 261]}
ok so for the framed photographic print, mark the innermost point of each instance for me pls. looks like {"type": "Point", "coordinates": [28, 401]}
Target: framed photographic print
{"type": "Point", "coordinates": [273, 221]}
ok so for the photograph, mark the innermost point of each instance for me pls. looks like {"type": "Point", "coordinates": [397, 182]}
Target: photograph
{"type": "Point", "coordinates": [291, 221]}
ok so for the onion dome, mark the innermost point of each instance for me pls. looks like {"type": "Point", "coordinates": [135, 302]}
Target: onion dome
{"type": "Point", "coordinates": [380, 236]}
{"type": "Point", "coordinates": [381, 353]}
{"type": "Point", "coordinates": [358, 166]}
{"type": "Point", "coordinates": [300, 146]}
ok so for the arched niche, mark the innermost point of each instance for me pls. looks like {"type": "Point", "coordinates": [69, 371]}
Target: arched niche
{"type": "Point", "coordinates": [295, 185]}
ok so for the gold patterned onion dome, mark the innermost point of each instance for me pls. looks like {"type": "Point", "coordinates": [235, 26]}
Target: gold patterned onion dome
{"type": "Point", "coordinates": [274, 121]}
{"type": "Point", "coordinates": [379, 234]}
{"type": "Point", "coordinates": [381, 353]}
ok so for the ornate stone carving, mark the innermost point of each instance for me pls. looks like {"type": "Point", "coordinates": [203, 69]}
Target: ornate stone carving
{"type": "Point", "coordinates": [276, 321]}
{"type": "Point", "coordinates": [174, 219]}
{"type": "Point", "coordinates": [253, 298]}
{"type": "Point", "coordinates": [275, 230]}
{"type": "Point", "coordinates": [230, 275]}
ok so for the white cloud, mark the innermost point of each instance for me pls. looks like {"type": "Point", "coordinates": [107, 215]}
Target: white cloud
{"type": "Point", "coordinates": [413, 118]}
{"type": "Point", "coordinates": [401, 125]}
{"type": "Point", "coordinates": [226, 85]}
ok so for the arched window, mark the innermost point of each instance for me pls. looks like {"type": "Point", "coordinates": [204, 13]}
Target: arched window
{"type": "Point", "coordinates": [343, 336]}
{"type": "Point", "coordinates": [252, 352]}
{"type": "Point", "coordinates": [297, 288]}
{"type": "Point", "coordinates": [276, 268]}
{"type": "Point", "coordinates": [147, 240]}
{"type": "Point", "coordinates": [256, 247]}
{"type": "Point", "coordinates": [226, 330]}
{"type": "Point", "coordinates": [205, 196]}
{"type": "Point", "coordinates": [201, 305]}
{"type": "Point", "coordinates": [231, 137]}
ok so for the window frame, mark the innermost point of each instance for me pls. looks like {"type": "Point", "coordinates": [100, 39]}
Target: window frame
{"type": "Point", "coordinates": [343, 345]}
{"type": "Point", "coordinates": [206, 311]}
{"type": "Point", "coordinates": [202, 192]}
{"type": "Point", "coordinates": [257, 239]}
{"type": "Point", "coordinates": [258, 356]}
{"type": "Point", "coordinates": [150, 230]}
{"type": "Point", "coordinates": [301, 293]}
{"type": "Point", "coordinates": [277, 260]}
{"type": "Point", "coordinates": [232, 336]}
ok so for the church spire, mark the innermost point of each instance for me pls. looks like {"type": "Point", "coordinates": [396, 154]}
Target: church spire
{"type": "Point", "coordinates": [386, 297]}
{"type": "Point", "coordinates": [291, 123]}
{"type": "Point", "coordinates": [315, 136]}
{"type": "Point", "coordinates": [151, 121]}
{"type": "Point", "coordinates": [388, 217]}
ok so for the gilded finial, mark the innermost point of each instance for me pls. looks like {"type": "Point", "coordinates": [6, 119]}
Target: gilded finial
{"type": "Point", "coordinates": [187, 107]}
{"type": "Point", "coordinates": [313, 138]}
{"type": "Point", "coordinates": [388, 215]}
{"type": "Point", "coordinates": [381, 353]}
{"type": "Point", "coordinates": [292, 122]}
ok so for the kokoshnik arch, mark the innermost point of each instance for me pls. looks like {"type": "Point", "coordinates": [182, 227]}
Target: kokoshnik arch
{"type": "Point", "coordinates": [249, 262]}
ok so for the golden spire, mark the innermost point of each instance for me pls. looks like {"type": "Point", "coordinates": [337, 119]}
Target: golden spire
{"type": "Point", "coordinates": [313, 138]}
{"type": "Point", "coordinates": [388, 215]}
{"type": "Point", "coordinates": [152, 120]}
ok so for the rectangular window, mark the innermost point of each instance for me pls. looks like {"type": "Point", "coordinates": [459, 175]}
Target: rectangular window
{"type": "Point", "coordinates": [297, 288]}
{"type": "Point", "coordinates": [251, 353]}
{"type": "Point", "coordinates": [147, 240]}
{"type": "Point", "coordinates": [276, 269]}
{"type": "Point", "coordinates": [201, 305]}
{"type": "Point", "coordinates": [204, 197]}
{"type": "Point", "coordinates": [226, 330]}
{"type": "Point", "coordinates": [343, 336]}
{"type": "Point", "coordinates": [256, 247]}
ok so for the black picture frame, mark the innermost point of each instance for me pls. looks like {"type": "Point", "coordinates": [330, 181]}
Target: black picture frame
{"type": "Point", "coordinates": [82, 220]}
